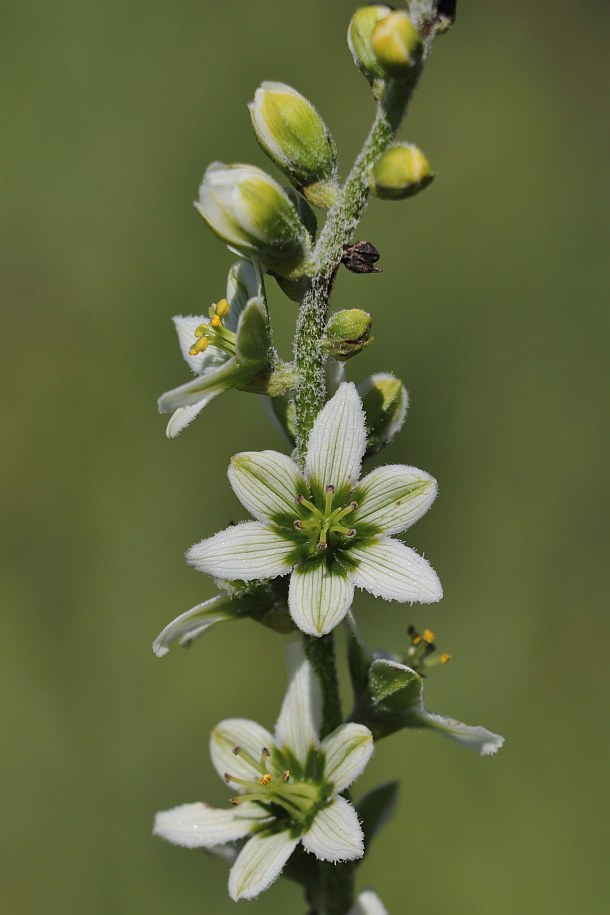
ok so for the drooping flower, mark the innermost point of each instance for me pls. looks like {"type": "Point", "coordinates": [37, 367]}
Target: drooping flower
{"type": "Point", "coordinates": [330, 532]}
{"type": "Point", "coordinates": [265, 603]}
{"type": "Point", "coordinates": [389, 694]}
{"type": "Point", "coordinates": [231, 348]}
{"type": "Point", "coordinates": [288, 789]}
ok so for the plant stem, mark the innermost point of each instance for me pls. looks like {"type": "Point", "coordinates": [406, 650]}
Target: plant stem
{"type": "Point", "coordinates": [321, 655]}
{"type": "Point", "coordinates": [335, 890]}
{"type": "Point", "coordinates": [338, 231]}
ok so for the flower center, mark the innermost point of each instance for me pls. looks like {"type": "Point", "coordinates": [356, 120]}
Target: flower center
{"type": "Point", "coordinates": [328, 521]}
{"type": "Point", "coordinates": [214, 332]}
{"type": "Point", "coordinates": [297, 798]}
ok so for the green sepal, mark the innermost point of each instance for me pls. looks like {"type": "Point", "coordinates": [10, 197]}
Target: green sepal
{"type": "Point", "coordinates": [376, 808]}
{"type": "Point", "coordinates": [254, 333]}
{"type": "Point", "coordinates": [394, 687]}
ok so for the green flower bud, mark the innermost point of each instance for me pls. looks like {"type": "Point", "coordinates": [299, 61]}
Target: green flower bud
{"type": "Point", "coordinates": [385, 402]}
{"type": "Point", "coordinates": [295, 137]}
{"type": "Point", "coordinates": [400, 172]}
{"type": "Point", "coordinates": [348, 332]}
{"type": "Point", "coordinates": [396, 44]}
{"type": "Point", "coordinates": [359, 35]}
{"type": "Point", "coordinates": [247, 209]}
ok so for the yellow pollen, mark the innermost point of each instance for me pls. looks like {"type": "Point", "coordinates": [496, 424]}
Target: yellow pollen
{"type": "Point", "coordinates": [416, 638]}
{"type": "Point", "coordinates": [215, 321]}
{"type": "Point", "coordinates": [223, 308]}
{"type": "Point", "coordinates": [199, 347]}
{"type": "Point", "coordinates": [428, 636]}
{"type": "Point", "coordinates": [444, 658]}
{"type": "Point", "coordinates": [265, 779]}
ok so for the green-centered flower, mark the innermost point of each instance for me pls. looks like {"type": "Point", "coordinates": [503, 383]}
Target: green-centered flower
{"type": "Point", "coordinates": [287, 786]}
{"type": "Point", "coordinates": [330, 532]}
{"type": "Point", "coordinates": [230, 348]}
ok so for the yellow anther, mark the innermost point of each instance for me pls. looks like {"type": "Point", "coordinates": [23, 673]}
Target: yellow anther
{"type": "Point", "coordinates": [215, 321]}
{"type": "Point", "coordinates": [444, 658]}
{"type": "Point", "coordinates": [265, 779]}
{"type": "Point", "coordinates": [286, 775]}
{"type": "Point", "coordinates": [200, 331]}
{"type": "Point", "coordinates": [199, 347]}
{"type": "Point", "coordinates": [416, 638]}
{"type": "Point", "coordinates": [223, 308]}
{"type": "Point", "coordinates": [428, 636]}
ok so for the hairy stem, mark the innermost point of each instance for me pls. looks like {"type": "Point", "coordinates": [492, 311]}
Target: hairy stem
{"type": "Point", "coordinates": [334, 894]}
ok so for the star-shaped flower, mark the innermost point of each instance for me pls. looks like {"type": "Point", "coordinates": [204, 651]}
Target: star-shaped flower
{"type": "Point", "coordinates": [230, 348]}
{"type": "Point", "coordinates": [288, 789]}
{"type": "Point", "coordinates": [329, 531]}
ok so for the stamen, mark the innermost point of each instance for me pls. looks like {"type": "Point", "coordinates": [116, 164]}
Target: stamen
{"type": "Point", "coordinates": [265, 779]}
{"type": "Point", "coordinates": [444, 658]}
{"type": "Point", "coordinates": [215, 321]}
{"type": "Point", "coordinates": [199, 347]}
{"type": "Point", "coordinates": [329, 493]}
{"type": "Point", "coordinates": [243, 754]}
{"type": "Point", "coordinates": [286, 775]}
{"type": "Point", "coordinates": [223, 308]}
{"type": "Point", "coordinates": [428, 635]}
{"type": "Point", "coordinates": [312, 508]}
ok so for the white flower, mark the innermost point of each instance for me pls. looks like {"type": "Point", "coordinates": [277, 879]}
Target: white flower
{"type": "Point", "coordinates": [229, 348]}
{"type": "Point", "coordinates": [326, 529]}
{"type": "Point", "coordinates": [288, 786]}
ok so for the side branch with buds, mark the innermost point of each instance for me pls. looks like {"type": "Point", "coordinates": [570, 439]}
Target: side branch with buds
{"type": "Point", "coordinates": [320, 528]}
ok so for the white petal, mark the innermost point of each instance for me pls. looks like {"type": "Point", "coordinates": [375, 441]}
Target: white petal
{"type": "Point", "coordinates": [200, 826]}
{"type": "Point", "coordinates": [389, 569]}
{"type": "Point", "coordinates": [368, 903]}
{"type": "Point", "coordinates": [299, 720]}
{"type": "Point", "coordinates": [212, 357]}
{"type": "Point", "coordinates": [392, 498]}
{"type": "Point", "coordinates": [335, 834]}
{"type": "Point", "coordinates": [319, 596]}
{"type": "Point", "coordinates": [267, 483]}
{"type": "Point", "coordinates": [246, 551]}
{"type": "Point", "coordinates": [337, 442]}
{"type": "Point", "coordinates": [193, 623]}
{"type": "Point", "coordinates": [476, 738]}
{"type": "Point", "coordinates": [184, 416]}
{"type": "Point", "coordinates": [260, 862]}
{"type": "Point", "coordinates": [347, 751]}
{"type": "Point", "coordinates": [227, 374]}
{"type": "Point", "coordinates": [251, 737]}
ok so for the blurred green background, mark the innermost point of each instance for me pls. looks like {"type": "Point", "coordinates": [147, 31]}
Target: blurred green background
{"type": "Point", "coordinates": [491, 307]}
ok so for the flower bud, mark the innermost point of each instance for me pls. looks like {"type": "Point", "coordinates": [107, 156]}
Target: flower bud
{"type": "Point", "coordinates": [247, 209]}
{"type": "Point", "coordinates": [400, 172]}
{"type": "Point", "coordinates": [385, 402]}
{"type": "Point", "coordinates": [348, 332]}
{"type": "Point", "coordinates": [396, 44]}
{"type": "Point", "coordinates": [359, 36]}
{"type": "Point", "coordinates": [296, 139]}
